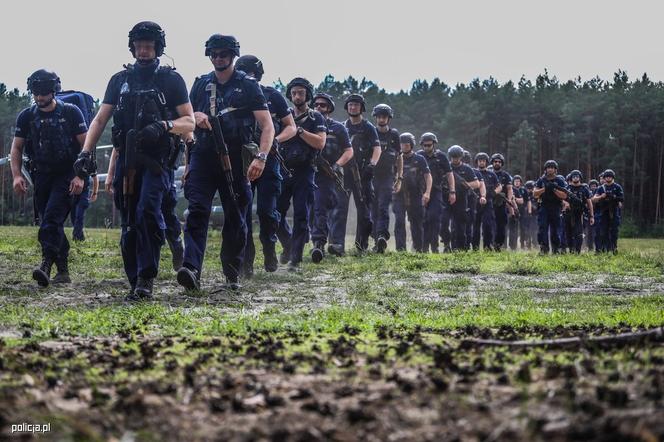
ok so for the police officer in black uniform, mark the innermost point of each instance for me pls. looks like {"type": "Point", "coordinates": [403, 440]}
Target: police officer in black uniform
{"type": "Point", "coordinates": [412, 195]}
{"type": "Point", "coordinates": [610, 196]}
{"type": "Point", "coordinates": [337, 152]}
{"type": "Point", "coordinates": [550, 190]}
{"type": "Point", "coordinates": [388, 168]}
{"type": "Point", "coordinates": [442, 177]}
{"type": "Point", "coordinates": [267, 188]}
{"type": "Point", "coordinates": [485, 221]}
{"type": "Point", "coordinates": [239, 105]}
{"type": "Point", "coordinates": [466, 183]}
{"type": "Point", "coordinates": [300, 155]}
{"type": "Point", "coordinates": [149, 106]}
{"type": "Point", "coordinates": [516, 214]}
{"type": "Point", "coordinates": [51, 133]}
{"type": "Point", "coordinates": [502, 200]}
{"type": "Point", "coordinates": [579, 201]}
{"type": "Point", "coordinates": [366, 154]}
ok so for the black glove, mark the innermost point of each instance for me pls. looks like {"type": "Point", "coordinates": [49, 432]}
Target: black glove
{"type": "Point", "coordinates": [550, 187]}
{"type": "Point", "coordinates": [337, 169]}
{"type": "Point", "coordinates": [84, 166]}
{"type": "Point", "coordinates": [151, 133]}
{"type": "Point", "coordinates": [368, 171]}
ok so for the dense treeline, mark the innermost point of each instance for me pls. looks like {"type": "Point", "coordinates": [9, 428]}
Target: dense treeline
{"type": "Point", "coordinates": [587, 125]}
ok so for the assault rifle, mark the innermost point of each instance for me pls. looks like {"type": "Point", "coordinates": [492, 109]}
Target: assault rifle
{"type": "Point", "coordinates": [324, 166]}
{"type": "Point", "coordinates": [220, 142]}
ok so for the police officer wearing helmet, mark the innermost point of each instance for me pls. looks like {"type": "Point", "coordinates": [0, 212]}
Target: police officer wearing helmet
{"type": "Point", "coordinates": [591, 229]}
{"type": "Point", "coordinates": [441, 176]}
{"type": "Point", "coordinates": [366, 154]}
{"type": "Point", "coordinates": [530, 220]}
{"type": "Point", "coordinates": [550, 191]}
{"type": "Point", "coordinates": [579, 202]}
{"type": "Point", "coordinates": [473, 198]}
{"type": "Point", "coordinates": [412, 196]}
{"type": "Point", "coordinates": [51, 133]}
{"type": "Point", "coordinates": [514, 228]}
{"type": "Point", "coordinates": [610, 197]}
{"type": "Point", "coordinates": [300, 154]}
{"type": "Point", "coordinates": [267, 188]}
{"type": "Point", "coordinates": [337, 152]}
{"type": "Point", "coordinates": [501, 204]}
{"type": "Point", "coordinates": [466, 182]}
{"type": "Point", "coordinates": [238, 102]}
{"type": "Point", "coordinates": [388, 169]}
{"type": "Point", "coordinates": [485, 221]}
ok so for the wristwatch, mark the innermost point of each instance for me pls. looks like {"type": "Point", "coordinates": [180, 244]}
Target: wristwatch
{"type": "Point", "coordinates": [300, 130]}
{"type": "Point", "coordinates": [169, 125]}
{"type": "Point", "coordinates": [261, 156]}
{"type": "Point", "coordinates": [452, 192]}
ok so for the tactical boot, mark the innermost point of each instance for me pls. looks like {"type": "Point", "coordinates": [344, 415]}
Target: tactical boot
{"type": "Point", "coordinates": [293, 267]}
{"type": "Point", "coordinates": [189, 279]}
{"type": "Point", "coordinates": [270, 258]}
{"type": "Point", "coordinates": [177, 250]}
{"type": "Point", "coordinates": [143, 290]}
{"type": "Point", "coordinates": [284, 257]}
{"type": "Point", "coordinates": [42, 274]}
{"type": "Point", "coordinates": [62, 276]}
{"type": "Point", "coordinates": [233, 283]}
{"type": "Point", "coordinates": [317, 252]}
{"type": "Point", "coordinates": [381, 244]}
{"type": "Point", "coordinates": [247, 271]}
{"type": "Point", "coordinates": [335, 249]}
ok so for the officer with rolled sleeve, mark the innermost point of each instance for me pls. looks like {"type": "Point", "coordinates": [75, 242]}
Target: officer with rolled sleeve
{"type": "Point", "coordinates": [466, 183]}
{"type": "Point", "coordinates": [485, 221]}
{"type": "Point", "coordinates": [51, 133]}
{"type": "Point", "coordinates": [610, 198]}
{"type": "Point", "coordinates": [300, 155]}
{"type": "Point", "coordinates": [550, 190]}
{"type": "Point", "coordinates": [236, 100]}
{"type": "Point", "coordinates": [501, 204]}
{"type": "Point", "coordinates": [149, 106]}
{"type": "Point", "coordinates": [579, 201]}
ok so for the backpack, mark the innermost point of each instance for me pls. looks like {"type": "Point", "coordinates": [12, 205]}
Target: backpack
{"type": "Point", "coordinates": [81, 100]}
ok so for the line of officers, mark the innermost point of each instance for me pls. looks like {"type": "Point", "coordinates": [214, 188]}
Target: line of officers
{"type": "Point", "coordinates": [271, 152]}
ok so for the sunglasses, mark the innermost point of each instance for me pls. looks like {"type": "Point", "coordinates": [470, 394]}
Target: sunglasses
{"type": "Point", "coordinates": [222, 54]}
{"type": "Point", "coordinates": [427, 145]}
{"type": "Point", "coordinates": [320, 104]}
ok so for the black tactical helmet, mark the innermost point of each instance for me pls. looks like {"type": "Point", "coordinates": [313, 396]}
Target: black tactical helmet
{"type": "Point", "coordinates": [381, 109]}
{"type": "Point", "coordinates": [43, 82]}
{"type": "Point", "coordinates": [530, 184]}
{"type": "Point", "coordinates": [326, 97]}
{"type": "Point", "coordinates": [148, 30]}
{"type": "Point", "coordinates": [407, 137]}
{"type": "Point", "coordinates": [551, 163]}
{"type": "Point", "coordinates": [568, 178]}
{"type": "Point", "coordinates": [357, 98]}
{"type": "Point", "coordinates": [218, 41]}
{"type": "Point", "coordinates": [302, 82]}
{"type": "Point", "coordinates": [250, 64]}
{"type": "Point", "coordinates": [428, 136]}
{"type": "Point", "coordinates": [482, 156]}
{"type": "Point", "coordinates": [498, 156]}
{"type": "Point", "coordinates": [466, 157]}
{"type": "Point", "coordinates": [609, 172]}
{"type": "Point", "coordinates": [595, 182]}
{"type": "Point", "coordinates": [576, 172]}
{"type": "Point", "coordinates": [455, 151]}
{"type": "Point", "coordinates": [517, 177]}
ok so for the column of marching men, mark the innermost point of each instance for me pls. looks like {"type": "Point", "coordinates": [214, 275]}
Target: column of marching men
{"type": "Point", "coordinates": [244, 142]}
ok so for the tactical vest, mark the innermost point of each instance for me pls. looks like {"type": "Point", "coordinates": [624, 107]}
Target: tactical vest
{"type": "Point", "coordinates": [51, 145]}
{"type": "Point", "coordinates": [362, 148]}
{"type": "Point", "coordinates": [413, 180]}
{"type": "Point", "coordinates": [296, 152]}
{"type": "Point", "coordinates": [142, 102]}
{"type": "Point", "coordinates": [332, 150]}
{"type": "Point", "coordinates": [435, 163]}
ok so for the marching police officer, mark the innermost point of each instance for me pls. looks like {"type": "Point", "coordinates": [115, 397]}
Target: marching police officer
{"type": "Point", "coordinates": [473, 199]}
{"type": "Point", "coordinates": [267, 188]}
{"type": "Point", "coordinates": [234, 100]}
{"type": "Point", "coordinates": [300, 154]}
{"type": "Point", "coordinates": [358, 177]}
{"type": "Point", "coordinates": [466, 183]}
{"type": "Point", "coordinates": [442, 177]}
{"type": "Point", "coordinates": [149, 106]}
{"type": "Point", "coordinates": [485, 221]}
{"type": "Point", "coordinates": [588, 228]}
{"type": "Point", "coordinates": [51, 133]}
{"type": "Point", "coordinates": [610, 197]}
{"type": "Point", "coordinates": [530, 220]}
{"type": "Point", "coordinates": [330, 175]}
{"type": "Point", "coordinates": [550, 190]}
{"type": "Point", "coordinates": [388, 168]}
{"type": "Point", "coordinates": [412, 195]}
{"type": "Point", "coordinates": [516, 214]}
{"type": "Point", "coordinates": [578, 199]}
{"type": "Point", "coordinates": [80, 205]}
{"type": "Point", "coordinates": [503, 199]}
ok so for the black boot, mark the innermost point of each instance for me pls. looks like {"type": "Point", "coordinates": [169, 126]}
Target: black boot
{"type": "Point", "coordinates": [270, 258]}
{"type": "Point", "coordinates": [336, 249]}
{"type": "Point", "coordinates": [143, 290]}
{"type": "Point", "coordinates": [42, 274]}
{"type": "Point", "coordinates": [177, 250]}
{"type": "Point", "coordinates": [381, 244]}
{"type": "Point", "coordinates": [284, 257]}
{"type": "Point", "coordinates": [317, 252]}
{"type": "Point", "coordinates": [62, 276]}
{"type": "Point", "coordinates": [189, 279]}
{"type": "Point", "coordinates": [233, 283]}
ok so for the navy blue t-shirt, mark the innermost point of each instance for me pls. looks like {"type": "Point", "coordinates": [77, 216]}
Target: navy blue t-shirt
{"type": "Point", "coordinates": [169, 82]}
{"type": "Point", "coordinates": [439, 166]}
{"type": "Point", "coordinates": [363, 138]}
{"type": "Point", "coordinates": [582, 192]}
{"type": "Point", "coordinates": [296, 151]}
{"type": "Point", "coordinates": [73, 116]}
{"type": "Point", "coordinates": [465, 172]}
{"type": "Point", "coordinates": [277, 106]}
{"type": "Point", "coordinates": [336, 142]}
{"type": "Point", "coordinates": [491, 182]}
{"type": "Point", "coordinates": [414, 168]}
{"type": "Point", "coordinates": [614, 189]}
{"type": "Point", "coordinates": [548, 197]}
{"type": "Point", "coordinates": [241, 93]}
{"type": "Point", "coordinates": [390, 149]}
